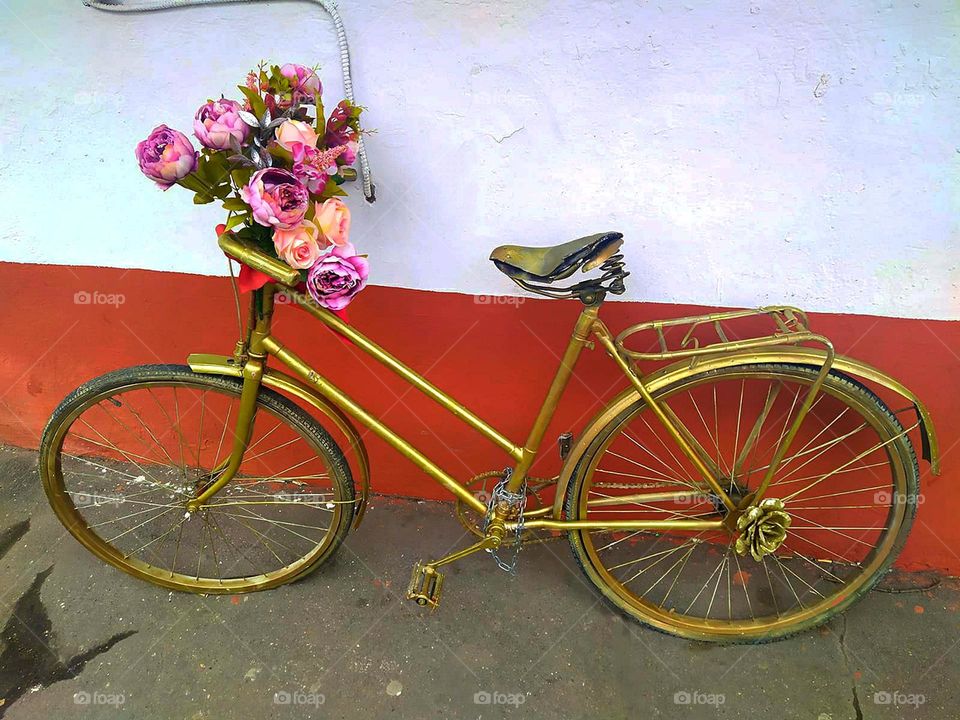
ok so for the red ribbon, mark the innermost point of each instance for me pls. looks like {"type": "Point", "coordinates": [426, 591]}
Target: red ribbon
{"type": "Point", "coordinates": [250, 279]}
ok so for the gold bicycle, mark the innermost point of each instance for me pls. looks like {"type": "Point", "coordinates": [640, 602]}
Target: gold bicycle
{"type": "Point", "coordinates": [747, 488]}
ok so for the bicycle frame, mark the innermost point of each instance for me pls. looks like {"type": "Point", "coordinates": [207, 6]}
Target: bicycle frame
{"type": "Point", "coordinates": [252, 353]}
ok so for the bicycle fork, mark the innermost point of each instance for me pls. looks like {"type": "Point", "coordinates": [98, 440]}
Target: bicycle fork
{"type": "Point", "coordinates": [252, 354]}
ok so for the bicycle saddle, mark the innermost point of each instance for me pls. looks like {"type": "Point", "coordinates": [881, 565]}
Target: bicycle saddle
{"type": "Point", "coordinates": [549, 264]}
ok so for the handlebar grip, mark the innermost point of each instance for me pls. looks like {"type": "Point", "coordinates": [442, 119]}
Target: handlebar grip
{"type": "Point", "coordinates": [258, 260]}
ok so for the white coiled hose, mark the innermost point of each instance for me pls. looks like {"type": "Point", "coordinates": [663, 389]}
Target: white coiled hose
{"type": "Point", "coordinates": [369, 191]}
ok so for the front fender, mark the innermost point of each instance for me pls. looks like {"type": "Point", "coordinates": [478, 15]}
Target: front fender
{"type": "Point", "coordinates": [280, 381]}
{"type": "Point", "coordinates": [930, 449]}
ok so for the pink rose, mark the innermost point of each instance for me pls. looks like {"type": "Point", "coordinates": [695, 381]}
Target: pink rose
{"type": "Point", "coordinates": [333, 219]}
{"type": "Point", "coordinates": [337, 277]}
{"type": "Point", "coordinates": [298, 246]}
{"type": "Point", "coordinates": [276, 197]}
{"type": "Point", "coordinates": [293, 133]}
{"type": "Point", "coordinates": [303, 80]}
{"type": "Point", "coordinates": [217, 121]}
{"type": "Point", "coordinates": [166, 156]}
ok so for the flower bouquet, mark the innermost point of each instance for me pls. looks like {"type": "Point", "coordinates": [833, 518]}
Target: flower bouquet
{"type": "Point", "coordinates": [277, 171]}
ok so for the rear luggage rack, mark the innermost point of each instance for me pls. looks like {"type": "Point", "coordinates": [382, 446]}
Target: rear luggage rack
{"type": "Point", "coordinates": [790, 328]}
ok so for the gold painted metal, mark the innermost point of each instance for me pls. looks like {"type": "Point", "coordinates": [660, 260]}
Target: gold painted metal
{"type": "Point", "coordinates": [807, 613]}
{"type": "Point", "coordinates": [249, 255]}
{"type": "Point", "coordinates": [782, 344]}
{"type": "Point", "coordinates": [785, 354]}
{"type": "Point", "coordinates": [681, 438]}
{"type": "Point", "coordinates": [411, 376]}
{"type": "Point", "coordinates": [426, 582]}
{"type": "Point", "coordinates": [759, 523]}
{"type": "Point", "coordinates": [276, 380]}
{"type": "Point", "coordinates": [68, 514]}
{"type": "Point", "coordinates": [579, 338]}
{"type": "Point", "coordinates": [763, 528]}
{"type": "Point", "coordinates": [618, 525]}
{"type": "Point", "coordinates": [790, 327]}
{"type": "Point", "coordinates": [347, 404]}
{"type": "Point", "coordinates": [647, 497]}
{"type": "Point", "coordinates": [252, 374]}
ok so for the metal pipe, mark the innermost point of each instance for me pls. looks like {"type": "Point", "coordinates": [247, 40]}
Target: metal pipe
{"type": "Point", "coordinates": [369, 189]}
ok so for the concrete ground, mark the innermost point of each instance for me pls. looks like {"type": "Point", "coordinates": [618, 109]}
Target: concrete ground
{"type": "Point", "coordinates": [83, 640]}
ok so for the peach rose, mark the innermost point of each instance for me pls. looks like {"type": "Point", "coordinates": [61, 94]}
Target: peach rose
{"type": "Point", "coordinates": [298, 246]}
{"type": "Point", "coordinates": [294, 132]}
{"type": "Point", "coordinates": [333, 220]}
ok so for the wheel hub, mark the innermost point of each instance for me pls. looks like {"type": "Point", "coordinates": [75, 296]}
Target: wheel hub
{"type": "Point", "coordinates": [763, 528]}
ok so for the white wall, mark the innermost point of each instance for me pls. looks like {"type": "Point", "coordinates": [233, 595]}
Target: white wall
{"type": "Point", "coordinates": [752, 152]}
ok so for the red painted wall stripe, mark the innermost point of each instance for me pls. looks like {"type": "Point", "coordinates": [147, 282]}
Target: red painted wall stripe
{"type": "Point", "coordinates": [497, 358]}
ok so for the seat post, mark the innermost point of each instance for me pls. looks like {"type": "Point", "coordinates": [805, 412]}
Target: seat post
{"type": "Point", "coordinates": [579, 338]}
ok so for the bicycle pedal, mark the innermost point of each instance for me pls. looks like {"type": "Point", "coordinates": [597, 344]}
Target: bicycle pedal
{"type": "Point", "coordinates": [425, 585]}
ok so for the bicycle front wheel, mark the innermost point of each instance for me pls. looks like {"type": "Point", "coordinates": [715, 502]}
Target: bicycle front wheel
{"type": "Point", "coordinates": [847, 485]}
{"type": "Point", "coordinates": [123, 455]}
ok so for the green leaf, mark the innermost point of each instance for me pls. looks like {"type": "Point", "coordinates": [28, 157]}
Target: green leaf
{"type": "Point", "coordinates": [241, 176]}
{"type": "Point", "coordinates": [192, 182]}
{"type": "Point", "coordinates": [331, 189]}
{"type": "Point", "coordinates": [213, 170]}
{"type": "Point", "coordinates": [222, 192]}
{"type": "Point", "coordinates": [284, 156]}
{"type": "Point", "coordinates": [201, 199]}
{"type": "Point", "coordinates": [236, 220]}
{"type": "Point", "coordinates": [236, 204]}
{"type": "Point", "coordinates": [321, 123]}
{"type": "Point", "coordinates": [256, 102]}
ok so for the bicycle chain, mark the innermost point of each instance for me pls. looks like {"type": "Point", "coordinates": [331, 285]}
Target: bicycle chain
{"type": "Point", "coordinates": [517, 499]}
{"type": "Point", "coordinates": [633, 486]}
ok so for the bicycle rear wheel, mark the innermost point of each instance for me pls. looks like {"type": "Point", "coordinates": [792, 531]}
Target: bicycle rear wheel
{"type": "Point", "coordinates": [848, 485]}
{"type": "Point", "coordinates": [123, 454]}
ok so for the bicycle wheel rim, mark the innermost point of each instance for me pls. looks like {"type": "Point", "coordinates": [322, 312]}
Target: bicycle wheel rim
{"type": "Point", "coordinates": [78, 522]}
{"type": "Point", "coordinates": [881, 554]}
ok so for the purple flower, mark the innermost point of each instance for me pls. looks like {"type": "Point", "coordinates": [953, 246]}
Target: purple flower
{"type": "Point", "coordinates": [337, 276]}
{"type": "Point", "coordinates": [166, 156]}
{"type": "Point", "coordinates": [303, 81]}
{"type": "Point", "coordinates": [276, 197]}
{"type": "Point", "coordinates": [217, 121]}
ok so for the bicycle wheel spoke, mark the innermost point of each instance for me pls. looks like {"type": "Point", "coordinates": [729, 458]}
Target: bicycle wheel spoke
{"type": "Point", "coordinates": [813, 563]}
{"type": "Point", "coordinates": [743, 583]}
{"type": "Point", "coordinates": [676, 579]}
{"type": "Point", "coordinates": [713, 438]}
{"type": "Point", "coordinates": [143, 547]}
{"type": "Point", "coordinates": [757, 430]}
{"type": "Point", "coordinates": [736, 437]}
{"type": "Point", "coordinates": [172, 426]}
{"type": "Point", "coordinates": [152, 435]}
{"type": "Point", "coordinates": [137, 527]}
{"type": "Point", "coordinates": [645, 467]}
{"type": "Point", "coordinates": [830, 474]}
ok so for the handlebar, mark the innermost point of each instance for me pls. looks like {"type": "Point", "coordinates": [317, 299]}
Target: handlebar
{"type": "Point", "coordinates": [252, 256]}
{"type": "Point", "coordinates": [257, 259]}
